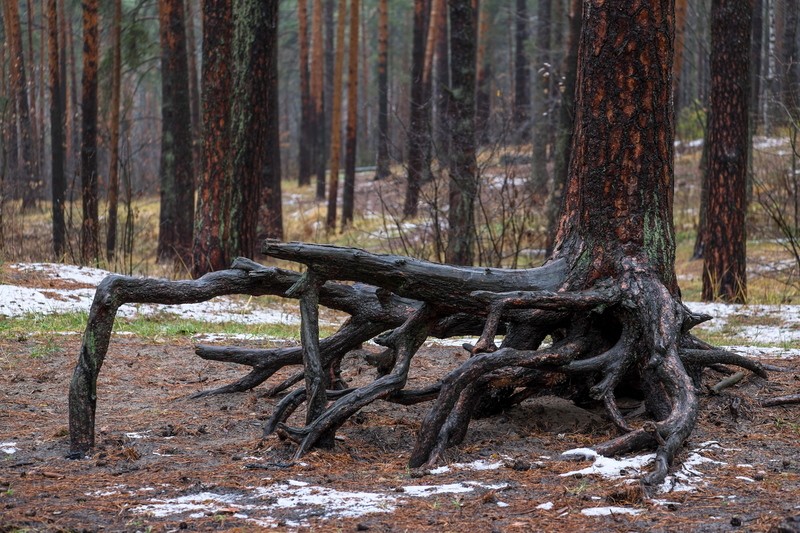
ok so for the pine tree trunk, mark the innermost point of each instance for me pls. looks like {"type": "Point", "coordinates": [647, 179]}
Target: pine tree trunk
{"type": "Point", "coordinates": [383, 162]}
{"type": "Point", "coordinates": [483, 74]}
{"type": "Point", "coordinates": [564, 128]}
{"type": "Point", "coordinates": [59, 178]}
{"type": "Point", "coordinates": [272, 220]}
{"type": "Point", "coordinates": [336, 119]}
{"type": "Point", "coordinates": [194, 89]}
{"type": "Point", "coordinates": [541, 126]}
{"type": "Point", "coordinates": [681, 8]}
{"type": "Point", "coordinates": [724, 264]}
{"type": "Point", "coordinates": [113, 167]}
{"type": "Point", "coordinates": [419, 133]}
{"type": "Point", "coordinates": [522, 98]}
{"type": "Point", "coordinates": [791, 61]}
{"type": "Point", "coordinates": [176, 218]}
{"type": "Point", "coordinates": [25, 175]}
{"type": "Point", "coordinates": [90, 252]}
{"type": "Point", "coordinates": [305, 144]}
{"type": "Point", "coordinates": [348, 191]}
{"type": "Point", "coordinates": [318, 95]}
{"type": "Point", "coordinates": [461, 109]}
{"type": "Point", "coordinates": [213, 202]}
{"type": "Point", "coordinates": [250, 121]}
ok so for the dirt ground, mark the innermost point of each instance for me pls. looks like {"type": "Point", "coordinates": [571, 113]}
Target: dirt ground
{"type": "Point", "coordinates": [164, 462]}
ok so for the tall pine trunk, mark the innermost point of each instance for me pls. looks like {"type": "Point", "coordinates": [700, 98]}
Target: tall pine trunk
{"type": "Point", "coordinates": [194, 89]}
{"type": "Point", "coordinates": [176, 217]}
{"type": "Point", "coordinates": [461, 109]}
{"type": "Point", "coordinates": [213, 202]}
{"type": "Point", "coordinates": [25, 175]}
{"type": "Point", "coordinates": [319, 158]}
{"type": "Point", "coordinates": [541, 129]}
{"type": "Point", "coordinates": [113, 165]}
{"type": "Point", "coordinates": [59, 178]}
{"type": "Point", "coordinates": [383, 162]}
{"type": "Point", "coordinates": [522, 98]}
{"type": "Point", "coordinates": [348, 191]}
{"type": "Point", "coordinates": [336, 119]}
{"type": "Point", "coordinates": [564, 127]}
{"type": "Point", "coordinates": [90, 252]}
{"type": "Point", "coordinates": [724, 265]}
{"type": "Point", "coordinates": [271, 205]}
{"type": "Point", "coordinates": [305, 144]}
{"type": "Point", "coordinates": [419, 132]}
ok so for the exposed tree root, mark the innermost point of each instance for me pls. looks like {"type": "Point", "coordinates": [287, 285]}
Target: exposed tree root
{"type": "Point", "coordinates": [617, 332]}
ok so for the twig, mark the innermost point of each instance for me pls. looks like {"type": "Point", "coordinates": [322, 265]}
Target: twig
{"type": "Point", "coordinates": [727, 382]}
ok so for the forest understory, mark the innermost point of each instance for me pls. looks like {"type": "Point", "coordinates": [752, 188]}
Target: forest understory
{"type": "Point", "coordinates": [164, 461]}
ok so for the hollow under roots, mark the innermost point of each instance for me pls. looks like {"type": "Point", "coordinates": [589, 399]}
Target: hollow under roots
{"type": "Point", "coordinates": [622, 333]}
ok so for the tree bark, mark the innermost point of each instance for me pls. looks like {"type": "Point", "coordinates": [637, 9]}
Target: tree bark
{"type": "Point", "coordinates": [176, 216]}
{"type": "Point", "coordinates": [306, 141]}
{"type": "Point", "coordinates": [461, 109]}
{"type": "Point", "coordinates": [56, 132]}
{"type": "Point", "coordinates": [194, 89]}
{"type": "Point", "coordinates": [419, 131]}
{"type": "Point", "coordinates": [113, 165]}
{"type": "Point", "coordinates": [213, 202]}
{"type": "Point", "coordinates": [250, 121]}
{"type": "Point", "coordinates": [522, 97]}
{"type": "Point", "coordinates": [320, 159]}
{"type": "Point", "coordinates": [271, 201]}
{"type": "Point", "coordinates": [90, 252]}
{"type": "Point", "coordinates": [724, 264]}
{"type": "Point", "coordinates": [348, 192]}
{"type": "Point", "coordinates": [383, 161]}
{"type": "Point", "coordinates": [336, 119]}
{"type": "Point", "coordinates": [541, 129]}
{"type": "Point", "coordinates": [25, 175]}
{"type": "Point", "coordinates": [564, 129]}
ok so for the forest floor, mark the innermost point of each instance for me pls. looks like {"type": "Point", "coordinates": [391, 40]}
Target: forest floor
{"type": "Point", "coordinates": [164, 462]}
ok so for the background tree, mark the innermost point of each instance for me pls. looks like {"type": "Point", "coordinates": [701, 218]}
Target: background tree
{"type": "Point", "coordinates": [564, 125]}
{"type": "Point", "coordinates": [461, 109]}
{"type": "Point", "coordinates": [251, 119]}
{"type": "Point", "coordinates": [419, 130]}
{"type": "Point", "coordinates": [26, 174]}
{"type": "Point", "coordinates": [318, 95]}
{"type": "Point", "coordinates": [271, 204]}
{"type": "Point", "coordinates": [213, 200]}
{"type": "Point", "coordinates": [522, 97]}
{"type": "Point", "coordinates": [540, 116]}
{"type": "Point", "coordinates": [176, 216]}
{"type": "Point", "coordinates": [336, 119]}
{"type": "Point", "coordinates": [90, 252]}
{"type": "Point", "coordinates": [306, 141]}
{"type": "Point", "coordinates": [383, 170]}
{"type": "Point", "coordinates": [113, 165]}
{"type": "Point", "coordinates": [348, 191]}
{"type": "Point", "coordinates": [59, 178]}
{"type": "Point", "coordinates": [724, 261]}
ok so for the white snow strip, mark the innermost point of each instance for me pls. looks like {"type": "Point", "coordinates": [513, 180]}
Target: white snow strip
{"type": "Point", "coordinates": [502, 504]}
{"type": "Point", "coordinates": [422, 491]}
{"type": "Point", "coordinates": [8, 447]}
{"type": "Point", "coordinates": [612, 510]}
{"type": "Point", "coordinates": [608, 467]}
{"type": "Point", "coordinates": [135, 435]}
{"type": "Point", "coordinates": [745, 478]}
{"type": "Point", "coordinates": [545, 506]}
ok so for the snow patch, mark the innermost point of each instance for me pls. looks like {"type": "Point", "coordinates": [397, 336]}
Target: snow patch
{"type": "Point", "coordinates": [423, 491]}
{"type": "Point", "coordinates": [8, 447]}
{"type": "Point", "coordinates": [545, 506]}
{"type": "Point", "coordinates": [611, 468]}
